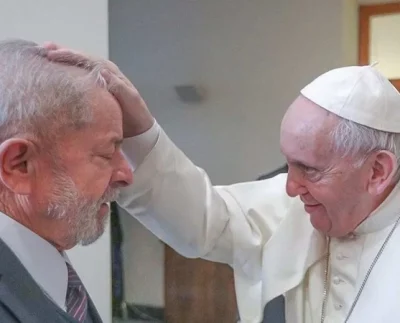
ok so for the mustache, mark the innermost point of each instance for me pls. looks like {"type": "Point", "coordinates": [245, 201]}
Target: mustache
{"type": "Point", "coordinates": [110, 195]}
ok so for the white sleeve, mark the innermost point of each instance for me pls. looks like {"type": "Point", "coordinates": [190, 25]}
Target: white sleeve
{"type": "Point", "coordinates": [176, 201]}
{"type": "Point", "coordinates": [137, 148]}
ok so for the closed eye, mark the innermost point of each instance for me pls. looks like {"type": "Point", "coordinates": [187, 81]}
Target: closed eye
{"type": "Point", "coordinates": [107, 155]}
{"type": "Point", "coordinates": [309, 169]}
{"type": "Point", "coordinates": [305, 168]}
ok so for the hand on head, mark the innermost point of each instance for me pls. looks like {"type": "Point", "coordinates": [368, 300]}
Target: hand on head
{"type": "Point", "coordinates": [136, 116]}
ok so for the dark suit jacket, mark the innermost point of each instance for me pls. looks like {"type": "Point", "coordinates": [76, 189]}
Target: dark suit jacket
{"type": "Point", "coordinates": [21, 298]}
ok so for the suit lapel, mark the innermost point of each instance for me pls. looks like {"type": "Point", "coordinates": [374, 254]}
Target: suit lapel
{"type": "Point", "coordinates": [94, 314]}
{"type": "Point", "coordinates": [20, 293]}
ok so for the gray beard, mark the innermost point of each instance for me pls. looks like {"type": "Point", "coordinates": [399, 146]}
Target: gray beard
{"type": "Point", "coordinates": [84, 224]}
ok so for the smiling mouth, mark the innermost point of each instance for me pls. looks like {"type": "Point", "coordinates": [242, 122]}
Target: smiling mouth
{"type": "Point", "coordinates": [310, 204]}
{"type": "Point", "coordinates": [311, 208]}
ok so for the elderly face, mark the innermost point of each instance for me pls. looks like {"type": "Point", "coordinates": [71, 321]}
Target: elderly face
{"type": "Point", "coordinates": [86, 174]}
{"type": "Point", "coordinates": [337, 195]}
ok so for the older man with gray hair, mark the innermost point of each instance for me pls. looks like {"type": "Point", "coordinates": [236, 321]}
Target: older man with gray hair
{"type": "Point", "coordinates": [61, 163]}
{"type": "Point", "coordinates": [325, 235]}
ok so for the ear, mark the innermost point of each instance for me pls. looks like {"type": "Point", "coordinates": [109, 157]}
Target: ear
{"type": "Point", "coordinates": [384, 166]}
{"type": "Point", "coordinates": [16, 166]}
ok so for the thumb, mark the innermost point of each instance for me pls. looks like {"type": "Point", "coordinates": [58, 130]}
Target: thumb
{"type": "Point", "coordinates": [126, 94]}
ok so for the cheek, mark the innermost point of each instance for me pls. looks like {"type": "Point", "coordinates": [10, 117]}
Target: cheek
{"type": "Point", "coordinates": [338, 200]}
{"type": "Point", "coordinates": [97, 186]}
{"type": "Point", "coordinates": [322, 192]}
{"type": "Point", "coordinates": [331, 195]}
{"type": "Point", "coordinates": [93, 181]}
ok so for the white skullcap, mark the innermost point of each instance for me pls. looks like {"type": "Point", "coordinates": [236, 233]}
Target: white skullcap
{"type": "Point", "coordinates": [360, 94]}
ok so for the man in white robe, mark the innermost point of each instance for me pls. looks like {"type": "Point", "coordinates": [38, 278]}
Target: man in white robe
{"type": "Point", "coordinates": [324, 235]}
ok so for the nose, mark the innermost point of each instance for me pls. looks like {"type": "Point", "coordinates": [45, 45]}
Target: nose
{"type": "Point", "coordinates": [294, 185]}
{"type": "Point", "coordinates": [123, 174]}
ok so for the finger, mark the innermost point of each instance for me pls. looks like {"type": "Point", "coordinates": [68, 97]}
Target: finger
{"type": "Point", "coordinates": [51, 46]}
{"type": "Point", "coordinates": [117, 86]}
{"type": "Point", "coordinates": [114, 83]}
{"type": "Point", "coordinates": [113, 75]}
{"type": "Point", "coordinates": [60, 54]}
{"type": "Point", "coordinates": [136, 116]}
{"type": "Point", "coordinates": [71, 58]}
{"type": "Point", "coordinates": [107, 76]}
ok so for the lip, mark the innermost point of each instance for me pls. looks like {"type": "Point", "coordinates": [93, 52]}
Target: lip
{"type": "Point", "coordinates": [311, 207]}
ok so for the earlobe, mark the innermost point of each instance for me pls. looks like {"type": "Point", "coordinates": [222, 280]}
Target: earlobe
{"type": "Point", "coordinates": [15, 165]}
{"type": "Point", "coordinates": [383, 170]}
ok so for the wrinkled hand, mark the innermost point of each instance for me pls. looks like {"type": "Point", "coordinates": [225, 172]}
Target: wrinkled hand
{"type": "Point", "coordinates": [136, 116]}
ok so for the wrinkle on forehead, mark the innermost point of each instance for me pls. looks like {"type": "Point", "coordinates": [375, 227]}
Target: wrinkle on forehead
{"type": "Point", "coordinates": [305, 131]}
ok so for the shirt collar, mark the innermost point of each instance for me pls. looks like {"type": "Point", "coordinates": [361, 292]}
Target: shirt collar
{"type": "Point", "coordinates": [385, 215]}
{"type": "Point", "coordinates": [41, 259]}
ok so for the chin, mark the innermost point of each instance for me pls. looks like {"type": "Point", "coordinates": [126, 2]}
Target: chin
{"type": "Point", "coordinates": [324, 225]}
{"type": "Point", "coordinates": [321, 222]}
{"type": "Point", "coordinates": [91, 236]}
{"type": "Point", "coordinates": [92, 239]}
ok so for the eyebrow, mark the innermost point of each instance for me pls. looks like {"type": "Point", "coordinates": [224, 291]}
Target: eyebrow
{"type": "Point", "coordinates": [300, 163]}
{"type": "Point", "coordinates": [114, 140]}
{"type": "Point", "coordinates": [117, 141]}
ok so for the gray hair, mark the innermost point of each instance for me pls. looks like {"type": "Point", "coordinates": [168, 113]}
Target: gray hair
{"type": "Point", "coordinates": [39, 97]}
{"type": "Point", "coordinates": [353, 139]}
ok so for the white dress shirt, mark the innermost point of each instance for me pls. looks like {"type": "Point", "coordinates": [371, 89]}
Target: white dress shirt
{"type": "Point", "coordinates": [40, 258]}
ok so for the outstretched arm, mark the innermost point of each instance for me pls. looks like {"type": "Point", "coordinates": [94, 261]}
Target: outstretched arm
{"type": "Point", "coordinates": [175, 199]}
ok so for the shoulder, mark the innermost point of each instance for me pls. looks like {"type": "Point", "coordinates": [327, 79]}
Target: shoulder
{"type": "Point", "coordinates": [7, 316]}
{"type": "Point", "coordinates": [271, 191]}
{"type": "Point", "coordinates": [263, 199]}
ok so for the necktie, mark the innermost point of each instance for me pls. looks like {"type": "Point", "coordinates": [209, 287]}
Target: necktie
{"type": "Point", "coordinates": [76, 296]}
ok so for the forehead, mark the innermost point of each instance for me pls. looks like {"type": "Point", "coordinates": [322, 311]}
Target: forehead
{"type": "Point", "coordinates": [107, 114]}
{"type": "Point", "coordinates": [305, 132]}
{"type": "Point", "coordinates": [104, 106]}
{"type": "Point", "coordinates": [104, 129]}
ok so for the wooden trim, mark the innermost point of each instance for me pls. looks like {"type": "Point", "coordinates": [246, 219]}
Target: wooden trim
{"type": "Point", "coordinates": [381, 9]}
{"type": "Point", "coordinates": [363, 36]}
{"type": "Point", "coordinates": [396, 83]}
{"type": "Point", "coordinates": [365, 14]}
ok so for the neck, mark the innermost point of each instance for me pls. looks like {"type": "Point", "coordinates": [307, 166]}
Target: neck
{"type": "Point", "coordinates": [20, 210]}
{"type": "Point", "coordinates": [382, 197]}
{"type": "Point", "coordinates": [17, 209]}
{"type": "Point", "coordinates": [378, 202]}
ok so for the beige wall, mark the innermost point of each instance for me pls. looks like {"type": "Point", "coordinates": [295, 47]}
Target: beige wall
{"type": "Point", "coordinates": [385, 44]}
{"type": "Point", "coordinates": [252, 57]}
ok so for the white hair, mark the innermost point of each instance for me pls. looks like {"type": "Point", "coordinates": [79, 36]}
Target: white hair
{"type": "Point", "coordinates": [39, 97]}
{"type": "Point", "coordinates": [353, 139]}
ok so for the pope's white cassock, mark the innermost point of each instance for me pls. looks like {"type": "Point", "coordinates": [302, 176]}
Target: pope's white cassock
{"type": "Point", "coordinates": [265, 235]}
